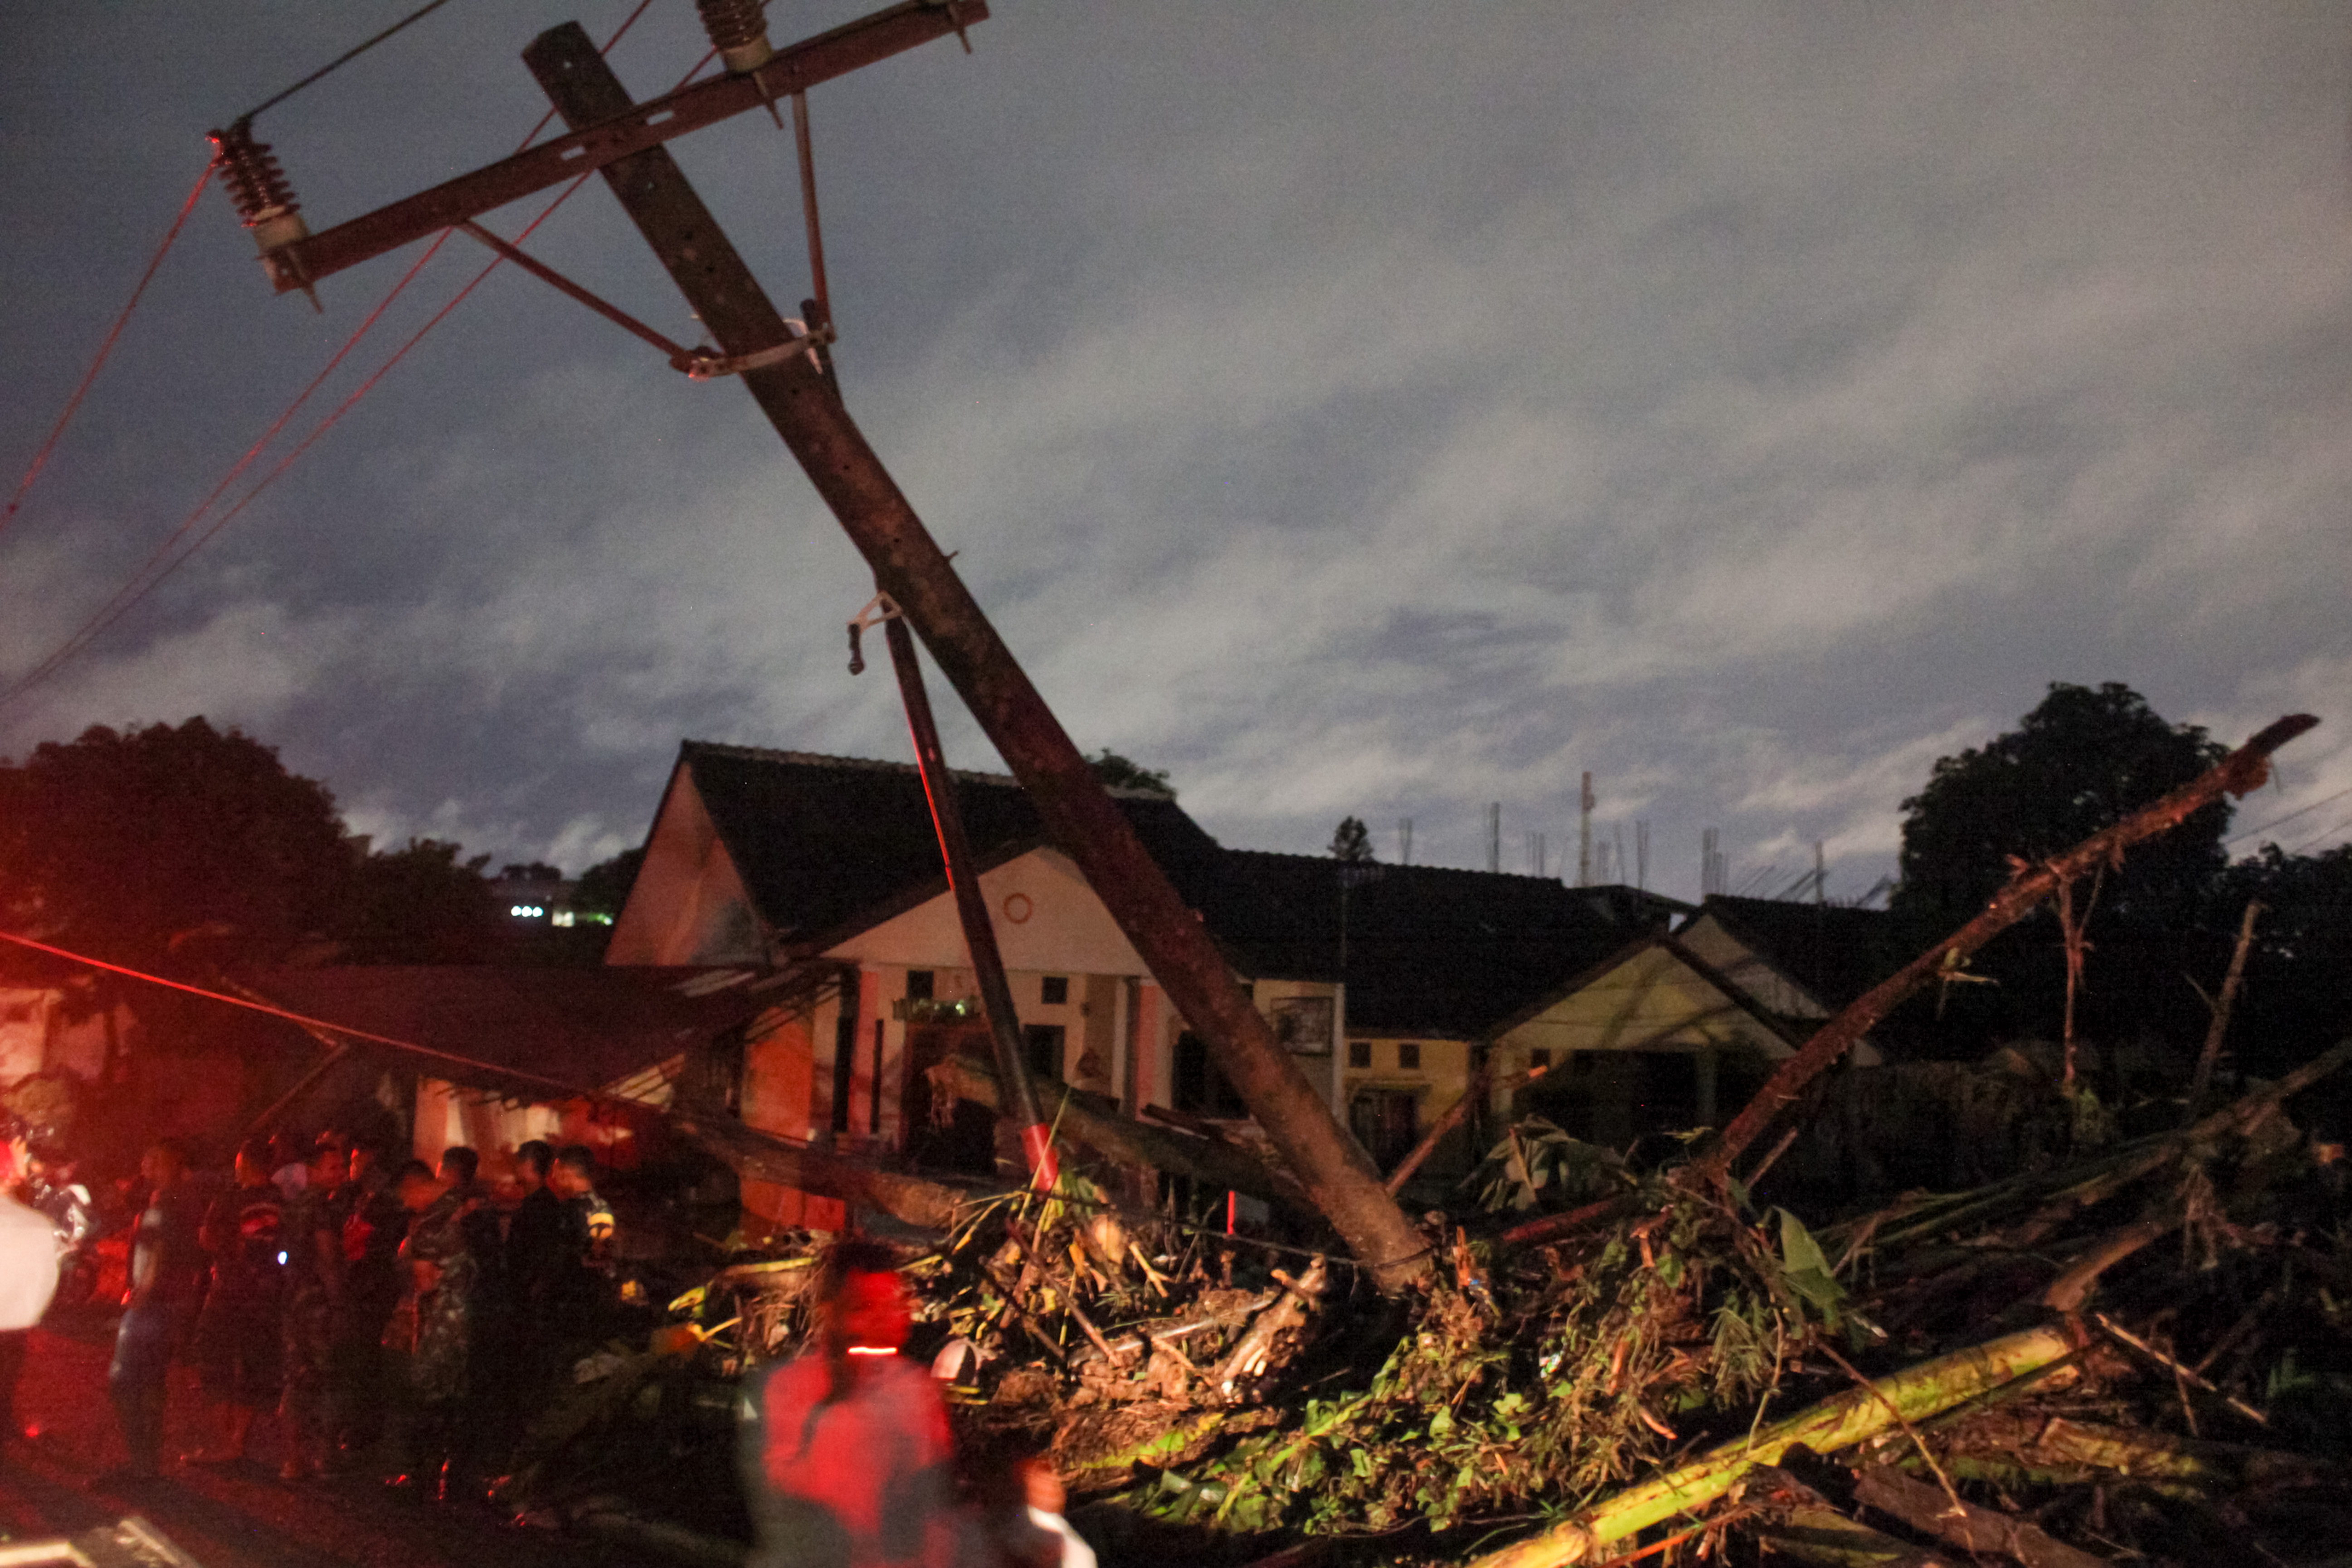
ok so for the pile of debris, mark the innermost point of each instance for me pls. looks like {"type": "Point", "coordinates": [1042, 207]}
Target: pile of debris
{"type": "Point", "coordinates": [2136, 1353]}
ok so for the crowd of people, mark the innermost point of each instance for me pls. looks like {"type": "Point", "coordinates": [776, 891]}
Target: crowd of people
{"type": "Point", "coordinates": [390, 1311]}
{"type": "Point", "coordinates": [398, 1314]}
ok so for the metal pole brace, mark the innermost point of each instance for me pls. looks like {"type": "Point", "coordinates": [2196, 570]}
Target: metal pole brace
{"type": "Point", "coordinates": [705, 364]}
{"type": "Point", "coordinates": [878, 609]}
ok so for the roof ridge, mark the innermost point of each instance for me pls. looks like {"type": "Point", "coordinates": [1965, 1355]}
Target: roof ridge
{"type": "Point", "coordinates": [1392, 866]}
{"type": "Point", "coordinates": [880, 765]}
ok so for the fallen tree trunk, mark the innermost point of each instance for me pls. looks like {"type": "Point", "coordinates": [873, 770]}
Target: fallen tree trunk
{"type": "Point", "coordinates": [1094, 1120]}
{"type": "Point", "coordinates": [1931, 1511]}
{"type": "Point", "coordinates": [914, 1200]}
{"type": "Point", "coordinates": [1912, 1395]}
{"type": "Point", "coordinates": [2244, 770]}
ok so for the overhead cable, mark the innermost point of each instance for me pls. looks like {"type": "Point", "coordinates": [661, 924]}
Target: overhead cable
{"type": "Point", "coordinates": [157, 566]}
{"type": "Point", "coordinates": [348, 55]}
{"type": "Point", "coordinates": [73, 403]}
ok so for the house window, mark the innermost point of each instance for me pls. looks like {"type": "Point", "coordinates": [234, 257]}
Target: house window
{"type": "Point", "coordinates": [1196, 1085]}
{"type": "Point", "coordinates": [919, 985]}
{"type": "Point", "coordinates": [1409, 1055]}
{"type": "Point", "coordinates": [1539, 1057]}
{"type": "Point", "coordinates": [1360, 1053]}
{"type": "Point", "coordinates": [1056, 991]}
{"type": "Point", "coordinates": [1044, 1041]}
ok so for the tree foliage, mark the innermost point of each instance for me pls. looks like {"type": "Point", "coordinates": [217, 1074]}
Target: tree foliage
{"type": "Point", "coordinates": [118, 841]}
{"type": "Point", "coordinates": [419, 905]}
{"type": "Point", "coordinates": [2081, 761]}
{"type": "Point", "coordinates": [1353, 842]}
{"type": "Point", "coordinates": [605, 887]}
{"type": "Point", "coordinates": [1118, 772]}
{"type": "Point", "coordinates": [184, 847]}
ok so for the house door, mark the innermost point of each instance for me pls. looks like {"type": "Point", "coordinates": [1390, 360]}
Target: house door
{"type": "Point", "coordinates": [962, 1137]}
{"type": "Point", "coordinates": [1387, 1121]}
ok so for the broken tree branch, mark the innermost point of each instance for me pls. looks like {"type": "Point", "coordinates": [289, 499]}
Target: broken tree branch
{"type": "Point", "coordinates": [2244, 770]}
{"type": "Point", "coordinates": [2210, 1056]}
{"type": "Point", "coordinates": [1928, 1510]}
{"type": "Point", "coordinates": [1452, 1118]}
{"type": "Point", "coordinates": [1256, 1348]}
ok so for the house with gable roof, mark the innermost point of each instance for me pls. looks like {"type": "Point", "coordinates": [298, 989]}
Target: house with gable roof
{"type": "Point", "coordinates": [1393, 984]}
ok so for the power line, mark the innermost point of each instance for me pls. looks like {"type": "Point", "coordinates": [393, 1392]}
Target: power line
{"type": "Point", "coordinates": [348, 55]}
{"type": "Point", "coordinates": [2322, 833]}
{"type": "Point", "coordinates": [73, 403]}
{"type": "Point", "coordinates": [2291, 815]}
{"type": "Point", "coordinates": [157, 567]}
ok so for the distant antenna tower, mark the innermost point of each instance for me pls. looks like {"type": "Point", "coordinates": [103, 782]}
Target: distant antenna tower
{"type": "Point", "coordinates": [1584, 803]}
{"type": "Point", "coordinates": [1538, 854]}
{"type": "Point", "coordinates": [1600, 862]}
{"type": "Point", "coordinates": [1714, 870]}
{"type": "Point", "coordinates": [1404, 840]}
{"type": "Point", "coordinates": [1494, 835]}
{"type": "Point", "coordinates": [1618, 860]}
{"type": "Point", "coordinates": [1820, 874]}
{"type": "Point", "coordinates": [1641, 855]}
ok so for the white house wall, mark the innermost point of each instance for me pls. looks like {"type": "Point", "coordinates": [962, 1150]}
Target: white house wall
{"type": "Point", "coordinates": [1048, 921]}
{"type": "Point", "coordinates": [688, 904]}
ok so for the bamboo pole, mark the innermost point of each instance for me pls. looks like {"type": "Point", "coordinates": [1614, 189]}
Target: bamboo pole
{"type": "Point", "coordinates": [1855, 1416]}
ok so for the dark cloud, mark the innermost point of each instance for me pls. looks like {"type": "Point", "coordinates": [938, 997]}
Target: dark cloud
{"type": "Point", "coordinates": [1374, 409]}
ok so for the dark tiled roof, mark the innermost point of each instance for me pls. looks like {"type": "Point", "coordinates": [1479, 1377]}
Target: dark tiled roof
{"type": "Point", "coordinates": [1430, 950]}
{"type": "Point", "coordinates": [830, 845]}
{"type": "Point", "coordinates": [518, 1028]}
{"type": "Point", "coordinates": [1834, 952]}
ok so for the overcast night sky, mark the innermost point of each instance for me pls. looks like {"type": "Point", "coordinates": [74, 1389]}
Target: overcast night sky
{"type": "Point", "coordinates": [1349, 407]}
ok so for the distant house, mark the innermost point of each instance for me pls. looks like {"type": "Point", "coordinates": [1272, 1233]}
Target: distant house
{"type": "Point", "coordinates": [1802, 962]}
{"type": "Point", "coordinates": [1378, 979]}
{"type": "Point", "coordinates": [1391, 985]}
{"type": "Point", "coordinates": [1653, 1039]}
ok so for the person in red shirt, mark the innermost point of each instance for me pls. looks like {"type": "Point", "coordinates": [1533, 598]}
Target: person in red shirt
{"type": "Point", "coordinates": [845, 1458]}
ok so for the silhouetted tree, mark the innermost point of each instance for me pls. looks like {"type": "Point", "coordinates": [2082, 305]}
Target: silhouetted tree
{"type": "Point", "coordinates": [605, 887]}
{"type": "Point", "coordinates": [2298, 989]}
{"type": "Point", "coordinates": [117, 843]}
{"type": "Point", "coordinates": [2083, 759]}
{"type": "Point", "coordinates": [420, 904]}
{"type": "Point", "coordinates": [1351, 841]}
{"type": "Point", "coordinates": [1120, 773]}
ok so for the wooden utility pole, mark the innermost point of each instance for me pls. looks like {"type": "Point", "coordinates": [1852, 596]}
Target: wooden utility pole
{"type": "Point", "coordinates": [622, 140]}
{"type": "Point", "coordinates": [909, 566]}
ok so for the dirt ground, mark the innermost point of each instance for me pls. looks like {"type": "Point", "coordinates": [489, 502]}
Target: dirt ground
{"type": "Point", "coordinates": [242, 1517]}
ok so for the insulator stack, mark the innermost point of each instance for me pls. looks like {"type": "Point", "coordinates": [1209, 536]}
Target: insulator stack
{"type": "Point", "coordinates": [738, 30]}
{"type": "Point", "coordinates": [264, 197]}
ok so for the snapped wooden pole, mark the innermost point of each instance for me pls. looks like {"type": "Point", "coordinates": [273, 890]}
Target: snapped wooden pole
{"type": "Point", "coordinates": [908, 564]}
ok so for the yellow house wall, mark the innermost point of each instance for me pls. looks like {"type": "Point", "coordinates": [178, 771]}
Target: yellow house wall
{"type": "Point", "coordinates": [1748, 970]}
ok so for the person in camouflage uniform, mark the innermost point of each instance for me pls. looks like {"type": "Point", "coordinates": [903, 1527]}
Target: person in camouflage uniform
{"type": "Point", "coordinates": [431, 1333]}
{"type": "Point", "coordinates": [314, 1300]}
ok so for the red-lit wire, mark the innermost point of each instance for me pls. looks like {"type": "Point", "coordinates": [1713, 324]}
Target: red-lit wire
{"type": "Point", "coordinates": [157, 567]}
{"type": "Point", "coordinates": [307, 1023]}
{"type": "Point", "coordinates": [73, 403]}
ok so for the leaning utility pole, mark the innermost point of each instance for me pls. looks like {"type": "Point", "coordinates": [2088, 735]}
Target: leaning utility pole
{"type": "Point", "coordinates": [622, 138]}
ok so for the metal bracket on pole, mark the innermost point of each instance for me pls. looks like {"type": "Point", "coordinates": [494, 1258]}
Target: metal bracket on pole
{"type": "Point", "coordinates": [878, 610]}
